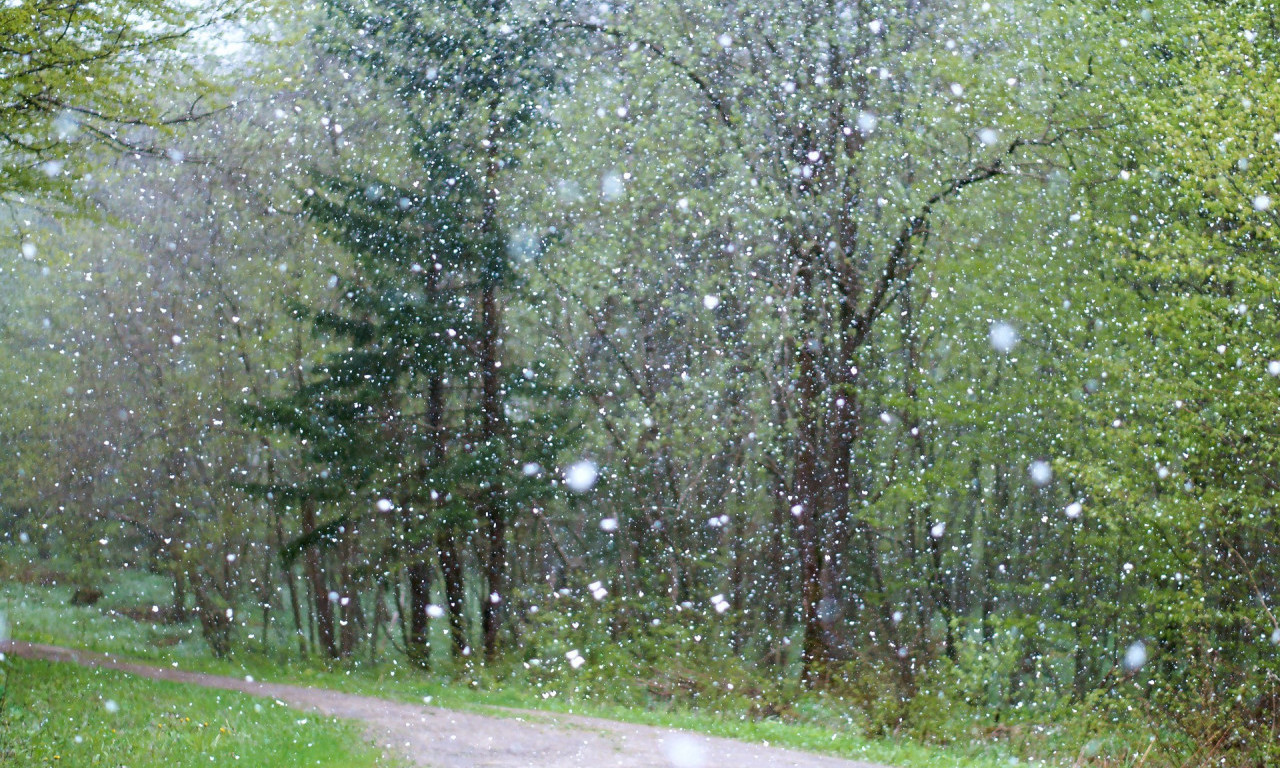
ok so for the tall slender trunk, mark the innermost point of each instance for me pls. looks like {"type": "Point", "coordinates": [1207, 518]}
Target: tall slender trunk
{"type": "Point", "coordinates": [322, 606]}
{"type": "Point", "coordinates": [806, 497]}
{"type": "Point", "coordinates": [419, 637]}
{"type": "Point", "coordinates": [454, 589]}
{"type": "Point", "coordinates": [264, 599]}
{"type": "Point", "coordinates": [179, 594]}
{"type": "Point", "coordinates": [492, 605]}
{"type": "Point", "coordinates": [292, 588]}
{"type": "Point", "coordinates": [350, 613]}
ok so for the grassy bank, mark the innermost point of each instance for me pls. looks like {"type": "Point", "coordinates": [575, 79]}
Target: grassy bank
{"type": "Point", "coordinates": [61, 714]}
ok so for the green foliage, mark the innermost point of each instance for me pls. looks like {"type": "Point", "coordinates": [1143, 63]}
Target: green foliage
{"type": "Point", "coordinates": [75, 74]}
{"type": "Point", "coordinates": [61, 714]}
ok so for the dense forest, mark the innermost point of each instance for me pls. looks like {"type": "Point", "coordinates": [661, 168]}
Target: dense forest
{"type": "Point", "coordinates": [917, 355]}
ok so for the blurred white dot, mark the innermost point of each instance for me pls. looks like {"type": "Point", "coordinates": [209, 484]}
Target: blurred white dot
{"type": "Point", "coordinates": [1074, 509]}
{"type": "Point", "coordinates": [581, 476]}
{"type": "Point", "coordinates": [684, 751]}
{"type": "Point", "coordinates": [1041, 472]}
{"type": "Point", "coordinates": [1003, 337]}
{"type": "Point", "coordinates": [710, 302]}
{"type": "Point", "coordinates": [1135, 656]}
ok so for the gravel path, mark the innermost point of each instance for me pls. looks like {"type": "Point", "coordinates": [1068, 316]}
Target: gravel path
{"type": "Point", "coordinates": [446, 738]}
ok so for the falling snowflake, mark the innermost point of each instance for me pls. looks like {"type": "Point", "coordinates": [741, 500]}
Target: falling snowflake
{"type": "Point", "coordinates": [581, 476]}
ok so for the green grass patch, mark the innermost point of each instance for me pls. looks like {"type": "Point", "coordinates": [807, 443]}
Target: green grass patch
{"type": "Point", "coordinates": [62, 714]}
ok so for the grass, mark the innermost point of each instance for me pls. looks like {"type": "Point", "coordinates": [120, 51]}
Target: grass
{"type": "Point", "coordinates": [62, 714]}
{"type": "Point", "coordinates": [43, 614]}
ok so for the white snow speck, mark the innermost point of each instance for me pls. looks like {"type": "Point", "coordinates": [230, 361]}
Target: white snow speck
{"type": "Point", "coordinates": [581, 476]}
{"type": "Point", "coordinates": [611, 186]}
{"type": "Point", "coordinates": [597, 590]}
{"type": "Point", "coordinates": [938, 529]}
{"type": "Point", "coordinates": [1135, 656]}
{"type": "Point", "coordinates": [684, 751]}
{"type": "Point", "coordinates": [1262, 202]}
{"type": "Point", "coordinates": [710, 302]}
{"type": "Point", "coordinates": [988, 136]}
{"type": "Point", "coordinates": [434, 611]}
{"type": "Point", "coordinates": [609, 524]}
{"type": "Point", "coordinates": [385, 505]}
{"type": "Point", "coordinates": [1041, 472]}
{"type": "Point", "coordinates": [1074, 509]}
{"type": "Point", "coordinates": [1003, 337]}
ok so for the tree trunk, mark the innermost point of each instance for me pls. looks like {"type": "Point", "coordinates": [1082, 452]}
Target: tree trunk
{"type": "Point", "coordinates": [179, 609]}
{"type": "Point", "coordinates": [454, 590]}
{"type": "Point", "coordinates": [806, 497]}
{"type": "Point", "coordinates": [322, 606]}
{"type": "Point", "coordinates": [419, 638]}
{"type": "Point", "coordinates": [492, 605]}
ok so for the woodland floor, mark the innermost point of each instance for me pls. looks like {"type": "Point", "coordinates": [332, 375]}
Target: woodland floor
{"type": "Point", "coordinates": [445, 738]}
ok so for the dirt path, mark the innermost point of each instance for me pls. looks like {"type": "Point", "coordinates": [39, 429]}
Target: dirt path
{"type": "Point", "coordinates": [445, 738]}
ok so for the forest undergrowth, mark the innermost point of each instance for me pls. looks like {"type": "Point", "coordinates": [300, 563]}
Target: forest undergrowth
{"type": "Point", "coordinates": [966, 712]}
